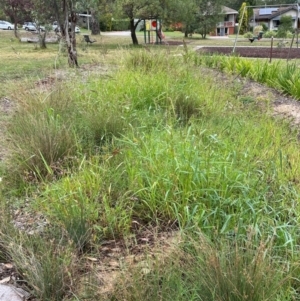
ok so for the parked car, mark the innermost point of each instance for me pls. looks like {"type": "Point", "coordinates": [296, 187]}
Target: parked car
{"type": "Point", "coordinates": [56, 28]}
{"type": "Point", "coordinates": [30, 26]}
{"type": "Point", "coordinates": [6, 25]}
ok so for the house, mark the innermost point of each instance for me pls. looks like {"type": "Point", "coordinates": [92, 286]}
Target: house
{"type": "Point", "coordinates": [227, 26]}
{"type": "Point", "coordinates": [270, 16]}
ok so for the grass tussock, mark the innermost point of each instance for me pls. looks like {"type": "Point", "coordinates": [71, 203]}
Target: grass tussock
{"type": "Point", "coordinates": [46, 268]}
{"type": "Point", "coordinates": [49, 132]}
{"type": "Point", "coordinates": [197, 269]}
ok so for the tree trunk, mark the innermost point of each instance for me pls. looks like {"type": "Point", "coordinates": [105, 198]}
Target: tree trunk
{"type": "Point", "coordinates": [16, 31]}
{"type": "Point", "coordinates": [42, 40]}
{"type": "Point", "coordinates": [95, 26]}
{"type": "Point", "coordinates": [16, 24]}
{"type": "Point", "coordinates": [68, 34]}
{"type": "Point", "coordinates": [132, 32]}
{"type": "Point", "coordinates": [71, 41]}
{"type": "Point", "coordinates": [186, 32]}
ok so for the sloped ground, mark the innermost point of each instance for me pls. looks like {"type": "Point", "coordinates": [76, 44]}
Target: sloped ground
{"type": "Point", "coordinates": [113, 255]}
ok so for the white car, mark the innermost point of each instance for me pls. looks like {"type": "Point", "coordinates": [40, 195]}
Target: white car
{"type": "Point", "coordinates": [6, 25]}
{"type": "Point", "coordinates": [56, 28]}
{"type": "Point", "coordinates": [29, 26]}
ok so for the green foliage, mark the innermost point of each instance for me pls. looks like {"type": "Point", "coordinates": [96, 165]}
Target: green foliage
{"type": "Point", "coordinates": [248, 35]}
{"type": "Point", "coordinates": [285, 26]}
{"type": "Point", "coordinates": [257, 30]}
{"type": "Point", "coordinates": [243, 22]}
{"type": "Point", "coordinates": [89, 205]}
{"type": "Point", "coordinates": [270, 34]}
{"type": "Point", "coordinates": [208, 14]}
{"type": "Point", "coordinates": [119, 25]}
{"type": "Point", "coordinates": [282, 77]}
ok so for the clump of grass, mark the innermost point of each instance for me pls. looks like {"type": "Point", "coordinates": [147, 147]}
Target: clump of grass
{"type": "Point", "coordinates": [41, 136]}
{"type": "Point", "coordinates": [186, 107]}
{"type": "Point", "coordinates": [48, 133]}
{"type": "Point", "coordinates": [45, 267]}
{"type": "Point", "coordinates": [197, 269]}
{"type": "Point", "coordinates": [99, 126]}
{"type": "Point", "coordinates": [92, 203]}
{"type": "Point", "coordinates": [150, 60]}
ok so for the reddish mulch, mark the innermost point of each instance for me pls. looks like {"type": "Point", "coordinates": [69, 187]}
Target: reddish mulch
{"type": "Point", "coordinates": [258, 52]}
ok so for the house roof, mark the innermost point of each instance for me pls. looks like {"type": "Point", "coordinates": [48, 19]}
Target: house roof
{"type": "Point", "coordinates": [269, 13]}
{"type": "Point", "coordinates": [227, 10]}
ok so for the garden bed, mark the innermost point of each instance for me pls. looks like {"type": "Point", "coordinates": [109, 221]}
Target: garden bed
{"type": "Point", "coordinates": [258, 52]}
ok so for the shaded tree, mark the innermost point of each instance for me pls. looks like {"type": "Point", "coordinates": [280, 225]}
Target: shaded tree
{"type": "Point", "coordinates": [143, 9]}
{"type": "Point", "coordinates": [133, 9]}
{"type": "Point", "coordinates": [184, 13]}
{"type": "Point", "coordinates": [208, 14]}
{"type": "Point", "coordinates": [16, 10]}
{"type": "Point", "coordinates": [90, 7]}
{"type": "Point", "coordinates": [41, 15]}
{"type": "Point", "coordinates": [285, 26]}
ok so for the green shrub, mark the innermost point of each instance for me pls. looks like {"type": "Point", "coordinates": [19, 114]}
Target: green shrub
{"type": "Point", "coordinates": [270, 34]}
{"type": "Point", "coordinates": [248, 35]}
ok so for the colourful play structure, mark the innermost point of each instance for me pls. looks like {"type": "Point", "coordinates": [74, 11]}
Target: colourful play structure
{"type": "Point", "coordinates": [152, 31]}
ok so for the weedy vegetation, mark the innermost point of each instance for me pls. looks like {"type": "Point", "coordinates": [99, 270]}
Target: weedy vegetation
{"type": "Point", "coordinates": [153, 142]}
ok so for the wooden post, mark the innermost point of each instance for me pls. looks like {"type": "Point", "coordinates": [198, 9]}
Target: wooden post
{"type": "Point", "coordinates": [271, 50]}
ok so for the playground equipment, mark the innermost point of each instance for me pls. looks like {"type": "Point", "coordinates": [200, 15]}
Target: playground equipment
{"type": "Point", "coordinates": [152, 31]}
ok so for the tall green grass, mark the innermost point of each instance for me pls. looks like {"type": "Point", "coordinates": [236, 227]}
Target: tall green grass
{"type": "Point", "coordinates": [172, 148]}
{"type": "Point", "coordinates": [163, 143]}
{"type": "Point", "coordinates": [45, 265]}
{"type": "Point", "coordinates": [280, 75]}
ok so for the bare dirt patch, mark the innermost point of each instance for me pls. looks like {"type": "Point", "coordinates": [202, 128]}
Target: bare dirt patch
{"type": "Point", "coordinates": [255, 52]}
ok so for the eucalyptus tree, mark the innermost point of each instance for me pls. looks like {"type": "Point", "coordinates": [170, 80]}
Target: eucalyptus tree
{"type": "Point", "coordinates": [91, 7]}
{"type": "Point", "coordinates": [137, 10]}
{"type": "Point", "coordinates": [66, 16]}
{"type": "Point", "coordinates": [184, 12]}
{"type": "Point", "coordinates": [132, 9]}
{"type": "Point", "coordinates": [208, 14]}
{"type": "Point", "coordinates": [40, 15]}
{"type": "Point", "coordinates": [16, 10]}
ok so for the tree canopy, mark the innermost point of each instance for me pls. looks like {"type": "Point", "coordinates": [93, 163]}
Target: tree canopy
{"type": "Point", "coordinates": [16, 10]}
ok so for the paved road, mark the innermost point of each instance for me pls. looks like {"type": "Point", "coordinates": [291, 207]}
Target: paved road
{"type": "Point", "coordinates": [115, 33]}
